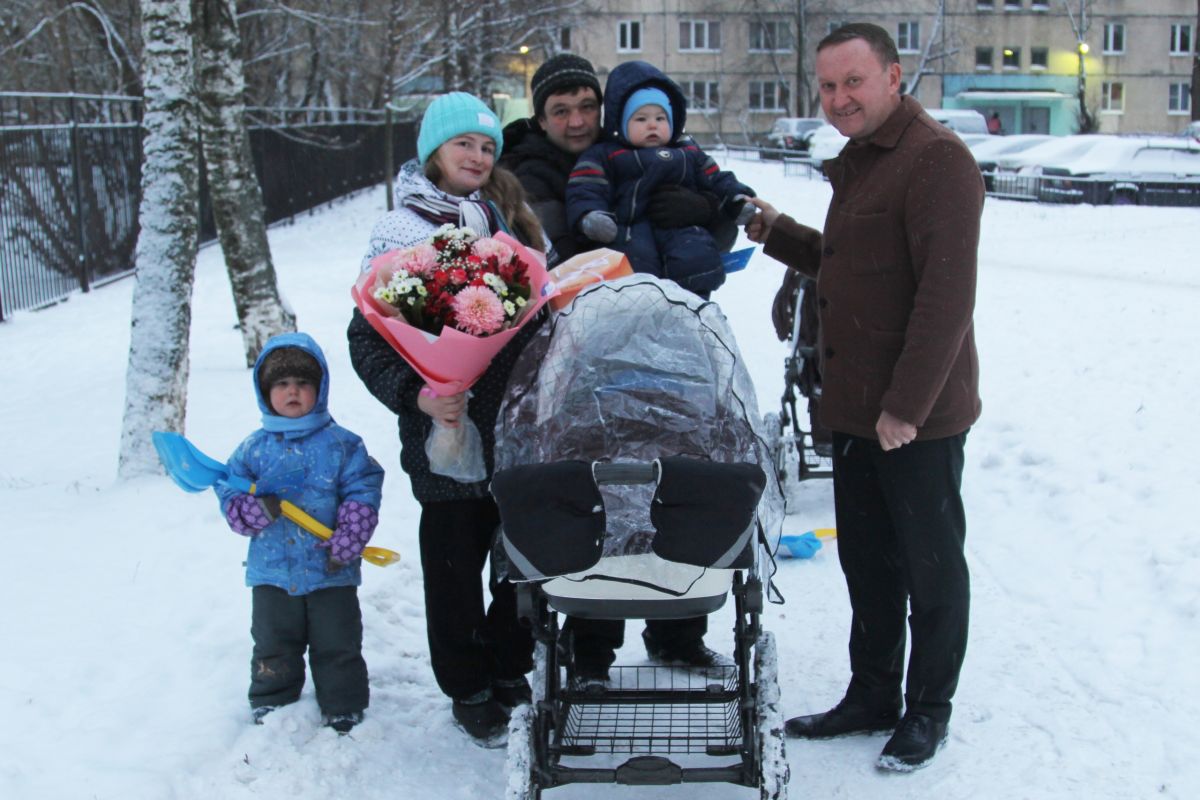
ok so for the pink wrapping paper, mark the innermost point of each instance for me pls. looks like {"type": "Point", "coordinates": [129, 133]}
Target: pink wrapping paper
{"type": "Point", "coordinates": [452, 361]}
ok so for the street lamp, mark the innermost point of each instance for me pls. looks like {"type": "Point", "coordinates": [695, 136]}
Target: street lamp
{"type": "Point", "coordinates": [524, 51]}
{"type": "Point", "coordinates": [1085, 119]}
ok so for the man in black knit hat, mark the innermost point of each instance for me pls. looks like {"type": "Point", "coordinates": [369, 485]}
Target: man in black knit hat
{"type": "Point", "coordinates": [541, 151]}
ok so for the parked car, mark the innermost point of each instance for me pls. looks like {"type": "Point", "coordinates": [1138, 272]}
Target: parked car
{"type": "Point", "coordinates": [791, 133]}
{"type": "Point", "coordinates": [1068, 177]}
{"type": "Point", "coordinates": [960, 120]}
{"type": "Point", "coordinates": [1193, 130]}
{"type": "Point", "coordinates": [1017, 175]}
{"type": "Point", "coordinates": [1152, 175]}
{"type": "Point", "coordinates": [988, 150]}
{"type": "Point", "coordinates": [825, 143]}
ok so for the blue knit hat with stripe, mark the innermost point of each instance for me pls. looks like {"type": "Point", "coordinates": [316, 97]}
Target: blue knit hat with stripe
{"type": "Point", "coordinates": [646, 96]}
{"type": "Point", "coordinates": [452, 115]}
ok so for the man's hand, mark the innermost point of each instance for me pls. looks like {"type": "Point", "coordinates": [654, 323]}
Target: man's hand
{"type": "Point", "coordinates": [446, 410]}
{"type": "Point", "coordinates": [894, 432]}
{"type": "Point", "coordinates": [759, 226]}
{"type": "Point", "coordinates": [673, 206]}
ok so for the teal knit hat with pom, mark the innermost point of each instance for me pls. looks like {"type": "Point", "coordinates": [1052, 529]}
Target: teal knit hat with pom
{"type": "Point", "coordinates": [452, 115]}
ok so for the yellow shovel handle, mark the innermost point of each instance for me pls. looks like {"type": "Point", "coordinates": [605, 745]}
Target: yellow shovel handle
{"type": "Point", "coordinates": [379, 556]}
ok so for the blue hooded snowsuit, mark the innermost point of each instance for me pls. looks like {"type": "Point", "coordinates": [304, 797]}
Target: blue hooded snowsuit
{"type": "Point", "coordinates": [616, 177]}
{"type": "Point", "coordinates": [328, 465]}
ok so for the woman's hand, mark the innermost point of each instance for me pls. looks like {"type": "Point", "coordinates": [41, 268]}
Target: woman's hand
{"type": "Point", "coordinates": [759, 226]}
{"type": "Point", "coordinates": [445, 409]}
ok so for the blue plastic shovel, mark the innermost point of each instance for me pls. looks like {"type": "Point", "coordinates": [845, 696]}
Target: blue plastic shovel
{"type": "Point", "coordinates": [193, 471]}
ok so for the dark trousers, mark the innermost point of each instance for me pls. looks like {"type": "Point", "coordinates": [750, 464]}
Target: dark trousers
{"type": "Point", "coordinates": [469, 646]}
{"type": "Point", "coordinates": [597, 640]}
{"type": "Point", "coordinates": [327, 622]}
{"type": "Point", "coordinates": [901, 528]}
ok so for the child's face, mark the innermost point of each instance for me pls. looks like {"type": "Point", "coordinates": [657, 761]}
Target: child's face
{"type": "Point", "coordinates": [293, 397]}
{"type": "Point", "coordinates": [648, 127]}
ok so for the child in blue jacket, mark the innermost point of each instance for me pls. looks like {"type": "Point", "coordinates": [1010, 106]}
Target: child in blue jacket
{"type": "Point", "coordinates": [304, 591]}
{"type": "Point", "coordinates": [642, 148]}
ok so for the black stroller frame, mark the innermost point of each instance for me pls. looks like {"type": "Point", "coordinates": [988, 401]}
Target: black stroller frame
{"type": "Point", "coordinates": [653, 714]}
{"type": "Point", "coordinates": [812, 445]}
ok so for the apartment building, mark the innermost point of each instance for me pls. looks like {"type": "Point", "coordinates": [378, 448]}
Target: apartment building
{"type": "Point", "coordinates": [743, 63]}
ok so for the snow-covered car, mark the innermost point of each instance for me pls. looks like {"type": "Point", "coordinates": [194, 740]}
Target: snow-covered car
{"type": "Point", "coordinates": [1069, 177]}
{"type": "Point", "coordinates": [987, 151]}
{"type": "Point", "coordinates": [960, 120]}
{"type": "Point", "coordinates": [1152, 176]}
{"type": "Point", "coordinates": [826, 142]}
{"type": "Point", "coordinates": [1018, 175]}
{"type": "Point", "coordinates": [790, 133]}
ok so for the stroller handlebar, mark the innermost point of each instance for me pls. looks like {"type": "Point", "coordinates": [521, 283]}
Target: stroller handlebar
{"type": "Point", "coordinates": [625, 473]}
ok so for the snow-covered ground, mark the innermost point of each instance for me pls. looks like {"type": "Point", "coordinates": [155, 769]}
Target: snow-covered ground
{"type": "Point", "coordinates": [126, 622]}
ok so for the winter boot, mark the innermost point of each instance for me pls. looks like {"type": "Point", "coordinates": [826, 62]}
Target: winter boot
{"type": "Point", "coordinates": [512, 693]}
{"type": "Point", "coordinates": [483, 718]}
{"type": "Point", "coordinates": [342, 723]}
{"type": "Point", "coordinates": [914, 744]}
{"type": "Point", "coordinates": [847, 718]}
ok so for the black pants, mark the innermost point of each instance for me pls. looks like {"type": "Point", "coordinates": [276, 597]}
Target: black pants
{"type": "Point", "coordinates": [327, 622]}
{"type": "Point", "coordinates": [469, 646]}
{"type": "Point", "coordinates": [597, 640]}
{"type": "Point", "coordinates": [901, 528]}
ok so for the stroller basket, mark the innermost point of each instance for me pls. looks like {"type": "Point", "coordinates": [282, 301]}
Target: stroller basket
{"type": "Point", "coordinates": [654, 710]}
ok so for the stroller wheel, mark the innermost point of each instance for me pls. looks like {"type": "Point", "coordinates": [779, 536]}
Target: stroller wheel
{"type": "Point", "coordinates": [773, 769]}
{"type": "Point", "coordinates": [521, 762]}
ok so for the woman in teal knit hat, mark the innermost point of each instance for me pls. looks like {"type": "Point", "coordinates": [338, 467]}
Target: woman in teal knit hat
{"type": "Point", "coordinates": [478, 649]}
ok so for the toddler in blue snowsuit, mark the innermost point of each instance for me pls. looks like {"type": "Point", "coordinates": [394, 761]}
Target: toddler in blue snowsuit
{"type": "Point", "coordinates": [304, 591]}
{"type": "Point", "coordinates": [641, 149]}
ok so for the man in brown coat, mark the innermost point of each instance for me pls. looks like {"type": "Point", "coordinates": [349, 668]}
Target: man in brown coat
{"type": "Point", "coordinates": [895, 271]}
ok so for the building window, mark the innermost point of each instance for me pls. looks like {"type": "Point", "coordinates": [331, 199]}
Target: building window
{"type": "Point", "coordinates": [768, 96]}
{"type": "Point", "coordinates": [1180, 99]}
{"type": "Point", "coordinates": [835, 24]}
{"type": "Point", "coordinates": [1181, 40]}
{"type": "Point", "coordinates": [564, 38]}
{"type": "Point", "coordinates": [983, 59]}
{"type": "Point", "coordinates": [1039, 57]}
{"type": "Point", "coordinates": [1112, 97]}
{"type": "Point", "coordinates": [703, 97]}
{"type": "Point", "coordinates": [699, 34]}
{"type": "Point", "coordinates": [1039, 5]}
{"type": "Point", "coordinates": [908, 37]}
{"type": "Point", "coordinates": [629, 36]}
{"type": "Point", "coordinates": [984, 5]}
{"type": "Point", "coordinates": [1114, 38]}
{"type": "Point", "coordinates": [770, 36]}
{"type": "Point", "coordinates": [1012, 58]}
{"type": "Point", "coordinates": [1012, 5]}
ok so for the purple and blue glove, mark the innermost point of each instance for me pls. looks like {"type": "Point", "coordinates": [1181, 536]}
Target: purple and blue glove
{"type": "Point", "coordinates": [248, 515]}
{"type": "Point", "coordinates": [355, 523]}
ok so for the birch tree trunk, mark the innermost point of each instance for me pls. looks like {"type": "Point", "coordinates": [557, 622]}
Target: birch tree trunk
{"type": "Point", "coordinates": [156, 378]}
{"type": "Point", "coordinates": [233, 184]}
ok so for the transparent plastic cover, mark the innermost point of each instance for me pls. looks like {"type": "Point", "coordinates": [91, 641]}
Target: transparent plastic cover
{"type": "Point", "coordinates": [632, 370]}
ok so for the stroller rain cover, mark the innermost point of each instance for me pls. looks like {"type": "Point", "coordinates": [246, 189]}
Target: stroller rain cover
{"type": "Point", "coordinates": [636, 370]}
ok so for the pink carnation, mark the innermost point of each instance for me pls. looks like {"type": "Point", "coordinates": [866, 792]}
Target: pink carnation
{"type": "Point", "coordinates": [486, 248]}
{"type": "Point", "coordinates": [421, 259]}
{"type": "Point", "coordinates": [478, 311]}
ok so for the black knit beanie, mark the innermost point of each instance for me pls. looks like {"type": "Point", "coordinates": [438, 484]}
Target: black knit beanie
{"type": "Point", "coordinates": [561, 73]}
{"type": "Point", "coordinates": [288, 362]}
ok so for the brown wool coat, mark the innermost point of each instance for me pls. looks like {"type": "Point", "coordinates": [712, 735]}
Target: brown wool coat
{"type": "Point", "coordinates": [895, 272]}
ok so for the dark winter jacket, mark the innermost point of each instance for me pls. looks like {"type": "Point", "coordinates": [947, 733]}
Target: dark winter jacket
{"type": "Point", "coordinates": [543, 169]}
{"type": "Point", "coordinates": [326, 463]}
{"type": "Point", "coordinates": [396, 384]}
{"type": "Point", "coordinates": [616, 177]}
{"type": "Point", "coordinates": [896, 271]}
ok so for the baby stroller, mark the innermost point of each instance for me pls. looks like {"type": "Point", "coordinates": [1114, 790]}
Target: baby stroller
{"type": "Point", "coordinates": [795, 316]}
{"type": "Point", "coordinates": [634, 482]}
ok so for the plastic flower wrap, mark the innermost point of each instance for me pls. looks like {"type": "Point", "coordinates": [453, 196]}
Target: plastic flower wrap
{"type": "Point", "coordinates": [448, 306]}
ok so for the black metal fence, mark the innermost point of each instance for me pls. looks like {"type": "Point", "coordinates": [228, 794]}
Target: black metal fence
{"type": "Point", "coordinates": [70, 168]}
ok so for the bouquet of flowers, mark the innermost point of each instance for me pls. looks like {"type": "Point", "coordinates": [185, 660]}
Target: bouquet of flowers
{"type": "Point", "coordinates": [448, 306]}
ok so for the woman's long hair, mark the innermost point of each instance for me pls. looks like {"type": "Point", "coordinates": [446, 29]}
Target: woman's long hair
{"type": "Point", "coordinates": [503, 189]}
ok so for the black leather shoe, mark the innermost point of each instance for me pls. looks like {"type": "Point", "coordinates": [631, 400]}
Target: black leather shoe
{"type": "Point", "coordinates": [913, 745]}
{"type": "Point", "coordinates": [692, 655]}
{"type": "Point", "coordinates": [483, 718]}
{"type": "Point", "coordinates": [847, 718]}
{"type": "Point", "coordinates": [512, 693]}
